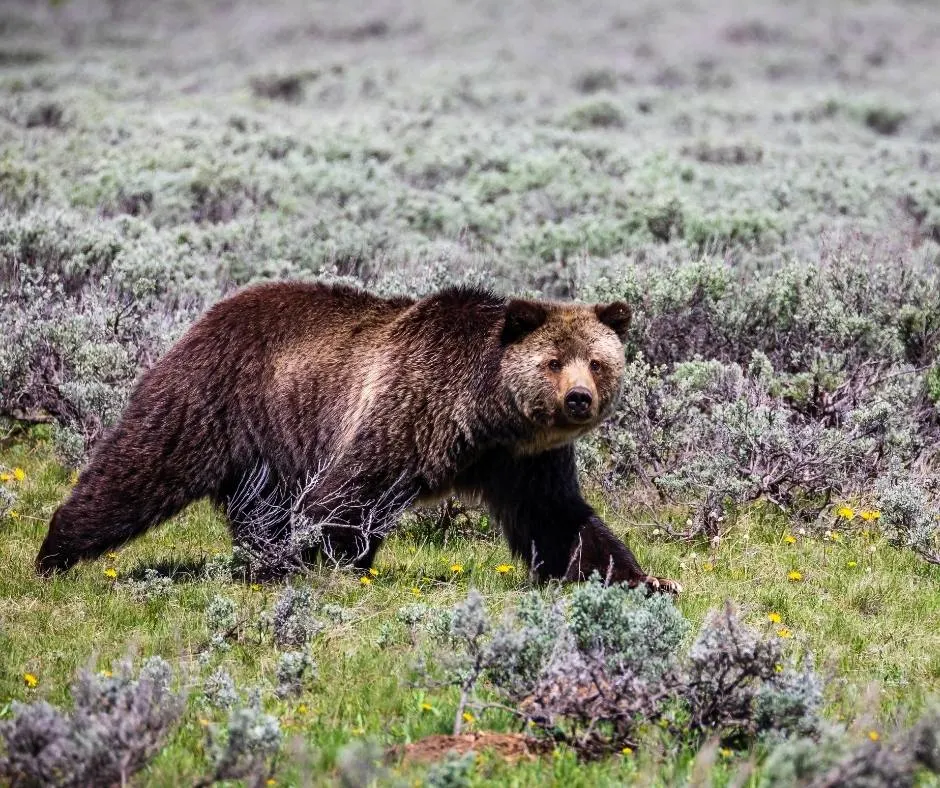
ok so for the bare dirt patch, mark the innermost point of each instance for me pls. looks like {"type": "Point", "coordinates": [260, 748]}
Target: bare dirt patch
{"type": "Point", "coordinates": [509, 746]}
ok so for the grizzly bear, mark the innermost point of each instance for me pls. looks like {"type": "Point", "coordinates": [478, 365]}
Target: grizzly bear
{"type": "Point", "coordinates": [375, 400]}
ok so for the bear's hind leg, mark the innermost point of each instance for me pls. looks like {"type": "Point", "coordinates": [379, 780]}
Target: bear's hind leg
{"type": "Point", "coordinates": [113, 503]}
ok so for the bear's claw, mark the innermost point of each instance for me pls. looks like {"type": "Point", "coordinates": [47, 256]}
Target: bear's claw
{"type": "Point", "coordinates": [662, 584]}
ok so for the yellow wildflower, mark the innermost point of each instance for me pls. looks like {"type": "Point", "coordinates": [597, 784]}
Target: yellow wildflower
{"type": "Point", "coordinates": [874, 735]}
{"type": "Point", "coordinates": [105, 673]}
{"type": "Point", "coordinates": [365, 580]}
{"type": "Point", "coordinates": [783, 632]}
{"type": "Point", "coordinates": [456, 568]}
{"type": "Point", "coordinates": [19, 474]}
{"type": "Point", "coordinates": [789, 539]}
{"type": "Point", "coordinates": [6, 477]}
{"type": "Point", "coordinates": [504, 568]}
{"type": "Point", "coordinates": [846, 512]}
{"type": "Point", "coordinates": [111, 556]}
{"type": "Point", "coordinates": [708, 566]}
{"type": "Point", "coordinates": [256, 586]}
{"type": "Point", "coordinates": [416, 591]}
{"type": "Point", "coordinates": [271, 781]}
{"type": "Point", "coordinates": [836, 536]}
{"type": "Point", "coordinates": [627, 751]}
{"type": "Point", "coordinates": [468, 718]}
{"type": "Point", "coordinates": [778, 668]}
{"type": "Point", "coordinates": [110, 573]}
{"type": "Point", "coordinates": [724, 752]}
{"type": "Point", "coordinates": [870, 514]}
{"type": "Point", "coordinates": [31, 680]}
{"type": "Point", "coordinates": [851, 564]}
{"type": "Point", "coordinates": [774, 618]}
{"type": "Point", "coordinates": [794, 576]}
{"type": "Point", "coordinates": [374, 572]}
{"type": "Point", "coordinates": [427, 707]}
{"type": "Point", "coordinates": [14, 515]}
{"type": "Point", "coordinates": [302, 708]}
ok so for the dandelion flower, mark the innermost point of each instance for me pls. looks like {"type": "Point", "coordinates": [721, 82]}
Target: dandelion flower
{"type": "Point", "coordinates": [504, 568]}
{"type": "Point", "coordinates": [416, 591]}
{"type": "Point", "coordinates": [625, 750]}
{"type": "Point", "coordinates": [302, 708]}
{"type": "Point", "coordinates": [778, 668]}
{"type": "Point", "coordinates": [271, 781]}
{"type": "Point", "coordinates": [256, 586]}
{"type": "Point", "coordinates": [468, 718]}
{"type": "Point", "coordinates": [774, 618]}
{"type": "Point", "coordinates": [14, 515]}
{"type": "Point", "coordinates": [789, 539]}
{"type": "Point", "coordinates": [19, 474]}
{"type": "Point", "coordinates": [456, 568]}
{"type": "Point", "coordinates": [427, 707]}
{"type": "Point", "coordinates": [708, 566]}
{"type": "Point", "coordinates": [374, 572]}
{"type": "Point", "coordinates": [794, 576]}
{"type": "Point", "coordinates": [783, 632]}
{"type": "Point", "coordinates": [874, 735]}
{"type": "Point", "coordinates": [724, 752]}
{"type": "Point", "coordinates": [6, 477]}
{"type": "Point", "coordinates": [30, 680]}
{"type": "Point", "coordinates": [870, 514]}
{"type": "Point", "coordinates": [851, 564]}
{"type": "Point", "coordinates": [111, 556]}
{"type": "Point", "coordinates": [365, 580]}
{"type": "Point", "coordinates": [846, 512]}
{"type": "Point", "coordinates": [110, 573]}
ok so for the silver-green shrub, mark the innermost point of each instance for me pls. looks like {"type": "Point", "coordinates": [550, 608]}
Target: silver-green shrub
{"type": "Point", "coordinates": [594, 669]}
{"type": "Point", "coordinates": [246, 748]}
{"type": "Point", "coordinates": [295, 669]}
{"type": "Point", "coordinates": [117, 724]}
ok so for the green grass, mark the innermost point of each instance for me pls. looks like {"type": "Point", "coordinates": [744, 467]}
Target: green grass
{"type": "Point", "coordinates": [871, 627]}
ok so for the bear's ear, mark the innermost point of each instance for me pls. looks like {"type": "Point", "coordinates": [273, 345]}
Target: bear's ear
{"type": "Point", "coordinates": [616, 316]}
{"type": "Point", "coordinates": [522, 317]}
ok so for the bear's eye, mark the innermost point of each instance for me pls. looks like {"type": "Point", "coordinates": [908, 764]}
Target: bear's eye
{"type": "Point", "coordinates": [595, 365]}
{"type": "Point", "coordinates": [554, 365]}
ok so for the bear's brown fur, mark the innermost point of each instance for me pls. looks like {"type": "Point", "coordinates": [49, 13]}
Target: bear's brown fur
{"type": "Point", "coordinates": [462, 392]}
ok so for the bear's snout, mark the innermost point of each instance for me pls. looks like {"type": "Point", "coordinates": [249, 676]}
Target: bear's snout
{"type": "Point", "coordinates": [578, 403]}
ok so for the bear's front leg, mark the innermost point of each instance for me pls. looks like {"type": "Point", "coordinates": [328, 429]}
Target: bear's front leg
{"type": "Point", "coordinates": [596, 548]}
{"type": "Point", "coordinates": [538, 503]}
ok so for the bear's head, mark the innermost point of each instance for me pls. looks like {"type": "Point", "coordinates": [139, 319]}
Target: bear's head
{"type": "Point", "coordinates": [563, 366]}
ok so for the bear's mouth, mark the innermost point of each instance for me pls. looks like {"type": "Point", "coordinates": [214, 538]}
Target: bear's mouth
{"type": "Point", "coordinates": [576, 420]}
{"type": "Point", "coordinates": [551, 438]}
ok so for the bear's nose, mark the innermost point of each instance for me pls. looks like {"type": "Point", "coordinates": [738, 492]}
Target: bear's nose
{"type": "Point", "coordinates": [578, 402]}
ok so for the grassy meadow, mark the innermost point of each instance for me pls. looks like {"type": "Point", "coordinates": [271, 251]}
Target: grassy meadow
{"type": "Point", "coordinates": [866, 611]}
{"type": "Point", "coordinates": [760, 182]}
